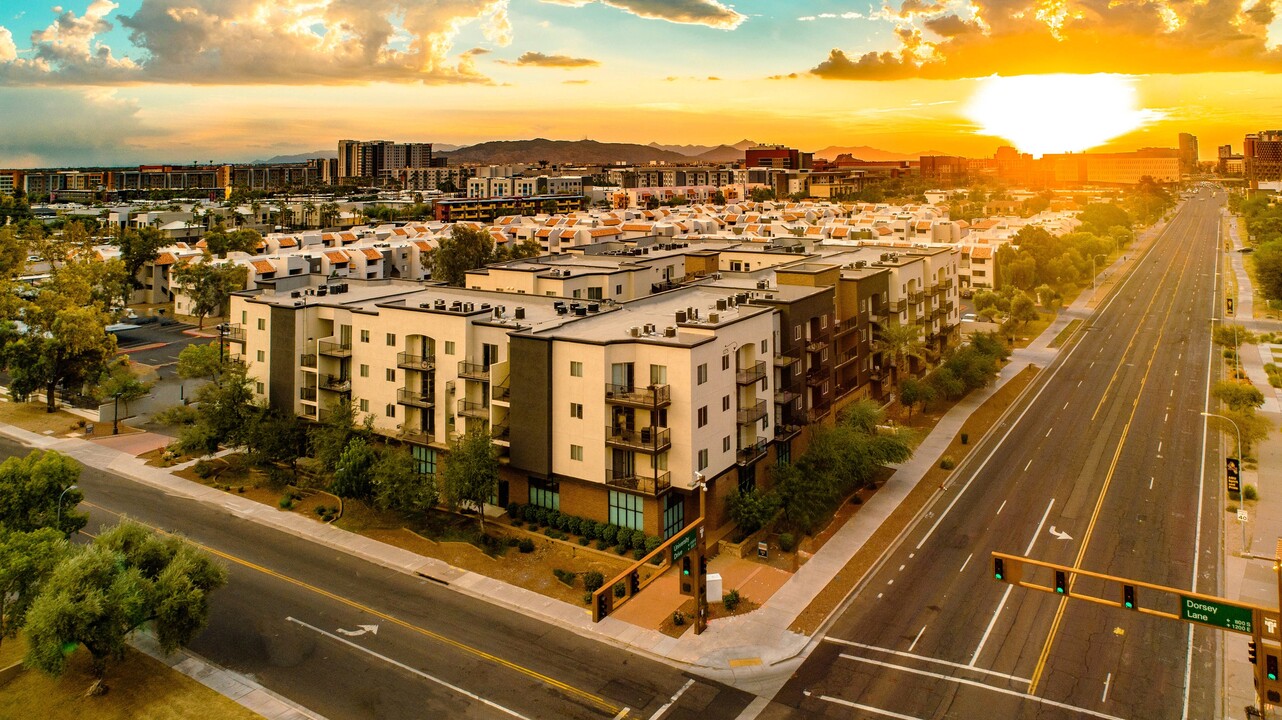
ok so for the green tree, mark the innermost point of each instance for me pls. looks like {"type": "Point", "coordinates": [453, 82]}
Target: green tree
{"type": "Point", "coordinates": [330, 436]}
{"type": "Point", "coordinates": [913, 391]}
{"type": "Point", "coordinates": [1268, 269]}
{"type": "Point", "coordinates": [226, 414]}
{"type": "Point", "coordinates": [119, 381]}
{"type": "Point", "coordinates": [1237, 396]}
{"type": "Point", "coordinates": [201, 360]}
{"type": "Point", "coordinates": [466, 248]}
{"type": "Point", "coordinates": [1047, 296]}
{"type": "Point", "coordinates": [1023, 309]}
{"type": "Point", "coordinates": [718, 198]}
{"type": "Point", "coordinates": [897, 344]}
{"type": "Point", "coordinates": [527, 248]}
{"type": "Point", "coordinates": [137, 248]}
{"type": "Point", "coordinates": [548, 207]}
{"type": "Point", "coordinates": [209, 285]}
{"type": "Point", "coordinates": [946, 383]}
{"type": "Point", "coordinates": [127, 579]}
{"type": "Point", "coordinates": [1099, 218]}
{"type": "Point", "coordinates": [470, 475]}
{"type": "Point", "coordinates": [35, 493]}
{"type": "Point", "coordinates": [352, 475]}
{"type": "Point", "coordinates": [752, 510]}
{"type": "Point", "coordinates": [398, 485]}
{"type": "Point", "coordinates": [277, 436]}
{"type": "Point", "coordinates": [219, 242]}
{"type": "Point", "coordinates": [27, 559]}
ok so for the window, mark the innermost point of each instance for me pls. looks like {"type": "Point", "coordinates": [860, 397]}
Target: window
{"type": "Point", "coordinates": [576, 410]}
{"type": "Point", "coordinates": [449, 347]}
{"type": "Point", "coordinates": [545, 493]}
{"type": "Point", "coordinates": [259, 387]}
{"type": "Point", "coordinates": [576, 452]}
{"type": "Point", "coordinates": [823, 355]}
{"type": "Point", "coordinates": [577, 294]}
{"type": "Point", "coordinates": [765, 346]}
{"type": "Point", "coordinates": [823, 320]}
{"type": "Point", "coordinates": [796, 332]}
{"type": "Point", "coordinates": [365, 336]}
{"type": "Point", "coordinates": [725, 362]}
{"type": "Point", "coordinates": [618, 289]}
{"type": "Point", "coordinates": [703, 416]}
{"type": "Point", "coordinates": [390, 410]}
{"type": "Point", "coordinates": [244, 316]}
{"type": "Point", "coordinates": [259, 355]}
{"type": "Point", "coordinates": [576, 368]}
{"type": "Point", "coordinates": [725, 444]}
{"type": "Point", "coordinates": [391, 339]}
{"type": "Point", "coordinates": [391, 374]}
{"type": "Point", "coordinates": [658, 374]}
{"type": "Point", "coordinates": [703, 459]}
{"type": "Point", "coordinates": [674, 515]}
{"type": "Point", "coordinates": [364, 405]}
{"type": "Point", "coordinates": [783, 452]}
{"type": "Point", "coordinates": [627, 510]}
{"type": "Point", "coordinates": [594, 293]}
{"type": "Point", "coordinates": [725, 403]}
{"type": "Point", "coordinates": [364, 370]}
{"type": "Point", "coordinates": [702, 374]}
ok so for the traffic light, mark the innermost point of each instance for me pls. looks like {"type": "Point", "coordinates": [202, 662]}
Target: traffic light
{"type": "Point", "coordinates": [1251, 653]}
{"type": "Point", "coordinates": [999, 569]}
{"type": "Point", "coordinates": [1271, 667]}
{"type": "Point", "coordinates": [1061, 582]}
{"type": "Point", "coordinates": [703, 565]}
{"type": "Point", "coordinates": [685, 565]}
{"type": "Point", "coordinates": [1128, 597]}
{"type": "Point", "coordinates": [634, 582]}
{"type": "Point", "coordinates": [602, 605]}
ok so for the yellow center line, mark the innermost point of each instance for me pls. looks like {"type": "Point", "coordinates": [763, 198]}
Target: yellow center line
{"type": "Point", "coordinates": [1108, 479]}
{"type": "Point", "coordinates": [600, 702]}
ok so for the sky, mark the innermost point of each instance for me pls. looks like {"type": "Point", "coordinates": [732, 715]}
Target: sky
{"type": "Point", "coordinates": [142, 81]}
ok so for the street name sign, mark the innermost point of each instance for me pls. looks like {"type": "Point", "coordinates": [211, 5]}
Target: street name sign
{"type": "Point", "coordinates": [684, 544]}
{"type": "Point", "coordinates": [1217, 614]}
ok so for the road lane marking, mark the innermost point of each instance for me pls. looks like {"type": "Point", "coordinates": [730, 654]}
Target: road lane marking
{"type": "Point", "coordinates": [1166, 418]}
{"type": "Point", "coordinates": [1107, 680]}
{"type": "Point", "coordinates": [901, 568]}
{"type": "Point", "coordinates": [924, 658]}
{"type": "Point", "coordinates": [671, 701]}
{"type": "Point", "coordinates": [1030, 464]}
{"type": "Point", "coordinates": [866, 708]}
{"type": "Point", "coordinates": [1003, 505]}
{"type": "Point", "coordinates": [919, 632]}
{"type": "Point", "coordinates": [1006, 595]}
{"type": "Point", "coordinates": [415, 671]}
{"type": "Point", "coordinates": [568, 689]}
{"type": "Point", "coordinates": [1065, 406]}
{"type": "Point", "coordinates": [1150, 483]}
{"type": "Point", "coordinates": [1159, 446]}
{"type": "Point", "coordinates": [968, 557]}
{"type": "Point", "coordinates": [1048, 432]}
{"type": "Point", "coordinates": [977, 684]}
{"type": "Point", "coordinates": [890, 581]}
{"type": "Point", "coordinates": [1079, 383]}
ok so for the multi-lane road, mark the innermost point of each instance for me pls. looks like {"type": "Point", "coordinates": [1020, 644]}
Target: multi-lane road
{"type": "Point", "coordinates": [1103, 467]}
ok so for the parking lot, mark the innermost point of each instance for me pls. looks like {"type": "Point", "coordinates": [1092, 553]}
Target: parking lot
{"type": "Point", "coordinates": [165, 357]}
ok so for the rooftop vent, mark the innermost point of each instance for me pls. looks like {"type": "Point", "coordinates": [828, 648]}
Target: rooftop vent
{"type": "Point", "coordinates": [634, 331]}
{"type": "Point", "coordinates": [520, 313]}
{"type": "Point", "coordinates": [669, 331]}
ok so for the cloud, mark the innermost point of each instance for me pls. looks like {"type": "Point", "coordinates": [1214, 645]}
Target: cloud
{"type": "Point", "coordinates": [8, 51]}
{"type": "Point", "coordinates": [262, 42]}
{"type": "Point", "coordinates": [975, 38]}
{"type": "Point", "coordinates": [538, 59]}
{"type": "Point", "coordinates": [574, 82]}
{"type": "Point", "coordinates": [76, 128]}
{"type": "Point", "coordinates": [712, 13]}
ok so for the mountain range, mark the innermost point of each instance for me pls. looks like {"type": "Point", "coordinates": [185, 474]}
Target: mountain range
{"type": "Point", "coordinates": [871, 154]}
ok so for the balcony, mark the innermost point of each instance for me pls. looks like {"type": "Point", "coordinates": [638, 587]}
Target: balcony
{"type": "Point", "coordinates": [410, 361]}
{"type": "Point", "coordinates": [647, 439]}
{"type": "Point", "coordinates": [749, 375]}
{"type": "Point", "coordinates": [335, 349]}
{"type": "Point", "coordinates": [751, 453]}
{"type": "Point", "coordinates": [785, 361]}
{"type": "Point", "coordinates": [899, 306]}
{"type": "Point", "coordinates": [815, 346]}
{"type": "Point", "coordinates": [474, 371]}
{"type": "Point", "coordinates": [916, 297]}
{"type": "Point", "coordinates": [307, 361]}
{"type": "Point", "coordinates": [816, 414]}
{"type": "Point", "coordinates": [502, 392]}
{"type": "Point", "coordinates": [502, 433]}
{"type": "Point", "coordinates": [418, 436]}
{"type": "Point", "coordinates": [334, 383]}
{"type": "Point", "coordinates": [922, 319]}
{"type": "Point", "coordinates": [817, 377]}
{"type": "Point", "coordinates": [849, 325]}
{"type": "Point", "coordinates": [847, 357]}
{"type": "Point", "coordinates": [786, 432]}
{"type": "Point", "coordinates": [477, 410]}
{"type": "Point", "coordinates": [307, 394]}
{"type": "Point", "coordinates": [785, 397]}
{"type": "Point", "coordinates": [415, 398]}
{"type": "Point", "coordinates": [751, 414]}
{"type": "Point", "coordinates": [644, 397]}
{"type": "Point", "coordinates": [638, 483]}
{"type": "Point", "coordinates": [233, 333]}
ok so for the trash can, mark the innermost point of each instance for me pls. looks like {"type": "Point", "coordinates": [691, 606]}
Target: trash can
{"type": "Point", "coordinates": [965, 438]}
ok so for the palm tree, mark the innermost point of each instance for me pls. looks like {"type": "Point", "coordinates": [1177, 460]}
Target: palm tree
{"type": "Point", "coordinates": [900, 342]}
{"type": "Point", "coordinates": [308, 208]}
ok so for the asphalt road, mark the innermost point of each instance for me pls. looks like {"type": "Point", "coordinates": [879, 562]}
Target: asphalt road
{"type": "Point", "coordinates": [1107, 452]}
{"type": "Point", "coordinates": [165, 357]}
{"type": "Point", "coordinates": [436, 653]}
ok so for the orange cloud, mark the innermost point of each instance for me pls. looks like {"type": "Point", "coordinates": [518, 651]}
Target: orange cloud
{"type": "Point", "coordinates": [689, 12]}
{"type": "Point", "coordinates": [538, 59]}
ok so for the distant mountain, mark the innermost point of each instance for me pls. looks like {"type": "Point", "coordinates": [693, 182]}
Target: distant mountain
{"type": "Point", "coordinates": [561, 152]}
{"type": "Point", "coordinates": [444, 147]}
{"type": "Point", "coordinates": [721, 154]}
{"type": "Point", "coordinates": [301, 157]}
{"type": "Point", "coordinates": [745, 144]}
{"type": "Point", "coordinates": [687, 150]}
{"type": "Point", "coordinates": [872, 154]}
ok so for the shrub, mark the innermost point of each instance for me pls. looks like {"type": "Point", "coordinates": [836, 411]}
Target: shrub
{"type": "Point", "coordinates": [608, 533]}
{"type": "Point", "coordinates": [286, 501]}
{"type": "Point", "coordinates": [622, 549]}
{"type": "Point", "coordinates": [1250, 493]}
{"type": "Point", "coordinates": [947, 462]}
{"type": "Point", "coordinates": [753, 509]}
{"type": "Point", "coordinates": [638, 540]}
{"type": "Point", "coordinates": [584, 541]}
{"type": "Point", "coordinates": [517, 524]}
{"type": "Point", "coordinates": [241, 489]}
{"type": "Point", "coordinates": [540, 516]}
{"type": "Point", "coordinates": [593, 580]}
{"type": "Point", "coordinates": [526, 546]}
{"type": "Point", "coordinates": [321, 510]}
{"type": "Point", "coordinates": [587, 598]}
{"type": "Point", "coordinates": [512, 542]}
{"type": "Point", "coordinates": [591, 529]}
{"type": "Point", "coordinates": [638, 553]}
{"type": "Point", "coordinates": [203, 469]}
{"type": "Point", "coordinates": [620, 590]}
{"type": "Point", "coordinates": [731, 600]}
{"type": "Point", "coordinates": [600, 545]}
{"type": "Point", "coordinates": [678, 618]}
{"type": "Point", "coordinates": [554, 518]}
{"type": "Point", "coordinates": [514, 511]}
{"type": "Point", "coordinates": [564, 576]}
{"type": "Point", "coordinates": [787, 542]}
{"type": "Point", "coordinates": [652, 544]}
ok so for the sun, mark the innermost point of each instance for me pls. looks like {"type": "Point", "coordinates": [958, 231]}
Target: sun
{"type": "Point", "coordinates": [1057, 113]}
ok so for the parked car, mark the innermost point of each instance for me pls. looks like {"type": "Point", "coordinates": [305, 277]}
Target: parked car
{"type": "Point", "coordinates": [968, 317]}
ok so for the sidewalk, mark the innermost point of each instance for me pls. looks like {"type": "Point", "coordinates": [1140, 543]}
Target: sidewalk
{"type": "Point", "coordinates": [744, 650]}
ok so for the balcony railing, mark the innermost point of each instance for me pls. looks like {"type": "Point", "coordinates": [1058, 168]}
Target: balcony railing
{"type": "Point", "coordinates": [307, 393]}
{"type": "Point", "coordinates": [751, 453]}
{"type": "Point", "coordinates": [752, 374]}
{"type": "Point", "coordinates": [467, 408]}
{"type": "Point", "coordinates": [650, 396]}
{"type": "Point", "coordinates": [646, 439]}
{"type": "Point", "coordinates": [751, 414]}
{"type": "Point", "coordinates": [335, 349]}
{"type": "Point", "coordinates": [783, 361]}
{"type": "Point", "coordinates": [416, 435]}
{"type": "Point", "coordinates": [916, 297]}
{"type": "Point", "coordinates": [847, 357]}
{"type": "Point", "coordinates": [815, 346]}
{"type": "Point", "coordinates": [785, 397]}
{"type": "Point", "coordinates": [308, 360]}
{"type": "Point", "coordinates": [415, 398]}
{"type": "Point", "coordinates": [234, 333]}
{"type": "Point", "coordinates": [784, 432]}
{"type": "Point", "coordinates": [647, 485]}
{"type": "Point", "coordinates": [502, 433]}
{"type": "Point", "coordinates": [502, 392]}
{"type": "Point", "coordinates": [474, 371]}
{"type": "Point", "coordinates": [817, 377]}
{"type": "Point", "coordinates": [410, 361]}
{"type": "Point", "coordinates": [899, 306]}
{"type": "Point", "coordinates": [335, 383]}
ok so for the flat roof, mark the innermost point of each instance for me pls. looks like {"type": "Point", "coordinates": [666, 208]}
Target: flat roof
{"type": "Point", "coordinates": [659, 311]}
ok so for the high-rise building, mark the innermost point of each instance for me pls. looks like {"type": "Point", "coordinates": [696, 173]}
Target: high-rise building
{"type": "Point", "coordinates": [1188, 153]}
{"type": "Point", "coordinates": [381, 160]}
{"type": "Point", "coordinates": [778, 156]}
{"type": "Point", "coordinates": [1262, 158]}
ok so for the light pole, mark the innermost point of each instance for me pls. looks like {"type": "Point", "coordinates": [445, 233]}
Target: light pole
{"type": "Point", "coordinates": [222, 333]}
{"type": "Point", "coordinates": [1093, 272]}
{"type": "Point", "coordinates": [58, 521]}
{"type": "Point", "coordinates": [115, 415]}
{"type": "Point", "coordinates": [700, 584]}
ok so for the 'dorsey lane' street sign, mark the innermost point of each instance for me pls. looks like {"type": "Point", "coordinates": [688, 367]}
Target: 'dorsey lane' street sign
{"type": "Point", "coordinates": [1218, 614]}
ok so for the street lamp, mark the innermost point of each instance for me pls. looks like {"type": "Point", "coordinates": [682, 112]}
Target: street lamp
{"type": "Point", "coordinates": [1236, 430]}
{"type": "Point", "coordinates": [222, 333]}
{"type": "Point", "coordinates": [115, 414]}
{"type": "Point", "coordinates": [1093, 272]}
{"type": "Point", "coordinates": [58, 522]}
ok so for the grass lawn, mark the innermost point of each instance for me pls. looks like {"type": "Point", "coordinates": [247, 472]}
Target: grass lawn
{"type": "Point", "coordinates": [32, 416]}
{"type": "Point", "coordinates": [1065, 334]}
{"type": "Point", "coordinates": [140, 689]}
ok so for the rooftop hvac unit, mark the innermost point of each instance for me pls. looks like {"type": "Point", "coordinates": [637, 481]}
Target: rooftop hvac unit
{"type": "Point", "coordinates": [520, 313]}
{"type": "Point", "coordinates": [580, 312]}
{"type": "Point", "coordinates": [713, 318]}
{"type": "Point", "coordinates": [721, 304]}
{"type": "Point", "coordinates": [634, 331]}
{"type": "Point", "coordinates": [681, 316]}
{"type": "Point", "coordinates": [468, 307]}
{"type": "Point", "coordinates": [296, 294]}
{"type": "Point", "coordinates": [649, 329]}
{"type": "Point", "coordinates": [594, 307]}
{"type": "Point", "coordinates": [669, 331]}
{"type": "Point", "coordinates": [439, 304]}
{"type": "Point", "coordinates": [425, 305]}
{"type": "Point", "coordinates": [485, 306]}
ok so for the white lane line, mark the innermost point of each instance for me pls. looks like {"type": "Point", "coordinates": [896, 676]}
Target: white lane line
{"type": "Point", "coordinates": [407, 668]}
{"type": "Point", "coordinates": [985, 686]}
{"type": "Point", "coordinates": [1003, 505]}
{"type": "Point", "coordinates": [1166, 418]}
{"type": "Point", "coordinates": [1107, 680]}
{"type": "Point", "coordinates": [1065, 406]}
{"type": "Point", "coordinates": [919, 632]}
{"type": "Point", "coordinates": [671, 701]}
{"type": "Point", "coordinates": [1006, 595]}
{"type": "Point", "coordinates": [968, 557]}
{"type": "Point", "coordinates": [1150, 483]}
{"type": "Point", "coordinates": [1159, 446]}
{"type": "Point", "coordinates": [1079, 383]}
{"type": "Point", "coordinates": [867, 708]}
{"type": "Point", "coordinates": [923, 658]}
{"type": "Point", "coordinates": [901, 568]}
{"type": "Point", "coordinates": [1030, 464]}
{"type": "Point", "coordinates": [1092, 363]}
{"type": "Point", "coordinates": [1048, 432]}
{"type": "Point", "coordinates": [1172, 394]}
{"type": "Point", "coordinates": [890, 581]}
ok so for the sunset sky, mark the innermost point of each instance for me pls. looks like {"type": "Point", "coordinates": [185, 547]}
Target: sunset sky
{"type": "Point", "coordinates": [130, 81]}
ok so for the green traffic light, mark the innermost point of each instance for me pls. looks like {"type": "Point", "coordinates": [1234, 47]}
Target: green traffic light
{"type": "Point", "coordinates": [1130, 605]}
{"type": "Point", "coordinates": [1059, 590]}
{"type": "Point", "coordinates": [998, 576]}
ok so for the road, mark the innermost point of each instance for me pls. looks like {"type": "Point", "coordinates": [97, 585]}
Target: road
{"type": "Point", "coordinates": [1106, 452]}
{"type": "Point", "coordinates": [435, 653]}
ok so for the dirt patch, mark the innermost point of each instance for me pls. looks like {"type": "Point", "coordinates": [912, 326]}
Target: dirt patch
{"type": "Point", "coordinates": [716, 611]}
{"type": "Point", "coordinates": [848, 577]}
{"type": "Point", "coordinates": [33, 417]}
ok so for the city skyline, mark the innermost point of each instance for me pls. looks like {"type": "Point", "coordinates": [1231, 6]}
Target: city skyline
{"type": "Point", "coordinates": [117, 82]}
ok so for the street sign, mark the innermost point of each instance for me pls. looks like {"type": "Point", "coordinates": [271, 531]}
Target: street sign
{"type": "Point", "coordinates": [763, 550]}
{"type": "Point", "coordinates": [685, 544]}
{"type": "Point", "coordinates": [1217, 614]}
{"type": "Point", "coordinates": [1231, 477]}
{"type": "Point", "coordinates": [1228, 301]}
{"type": "Point", "coordinates": [1241, 515]}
